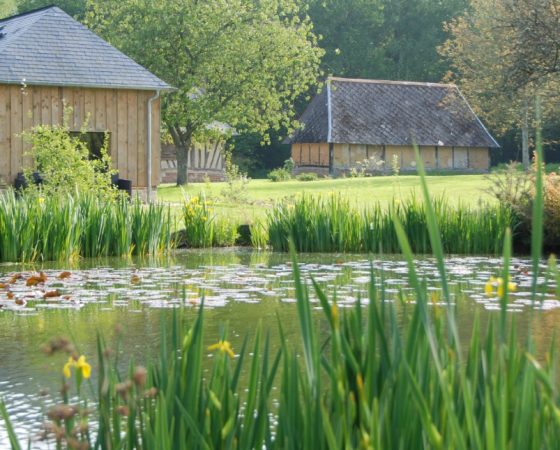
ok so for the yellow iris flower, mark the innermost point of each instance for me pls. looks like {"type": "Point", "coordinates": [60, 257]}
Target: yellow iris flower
{"type": "Point", "coordinates": [80, 365]}
{"type": "Point", "coordinates": [223, 346]}
{"type": "Point", "coordinates": [495, 286]}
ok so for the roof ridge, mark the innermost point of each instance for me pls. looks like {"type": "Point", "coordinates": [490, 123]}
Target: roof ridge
{"type": "Point", "coordinates": [27, 13]}
{"type": "Point", "coordinates": [396, 82]}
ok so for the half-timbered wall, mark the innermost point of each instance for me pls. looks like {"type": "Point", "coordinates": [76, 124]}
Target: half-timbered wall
{"type": "Point", "coordinates": [205, 161]}
{"type": "Point", "coordinates": [121, 113]}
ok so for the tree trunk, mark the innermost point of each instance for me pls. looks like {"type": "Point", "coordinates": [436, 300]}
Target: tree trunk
{"type": "Point", "coordinates": [525, 137]}
{"type": "Point", "coordinates": [182, 141]}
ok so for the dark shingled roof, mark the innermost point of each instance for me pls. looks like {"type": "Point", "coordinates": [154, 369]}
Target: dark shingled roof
{"type": "Point", "coordinates": [48, 47]}
{"type": "Point", "coordinates": [391, 113]}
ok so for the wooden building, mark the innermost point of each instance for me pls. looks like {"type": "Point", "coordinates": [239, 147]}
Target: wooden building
{"type": "Point", "coordinates": [352, 120]}
{"type": "Point", "coordinates": [49, 62]}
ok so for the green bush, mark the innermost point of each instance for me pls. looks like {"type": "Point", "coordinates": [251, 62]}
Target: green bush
{"type": "Point", "coordinates": [64, 163]}
{"type": "Point", "coordinates": [307, 176]}
{"type": "Point", "coordinates": [279, 175]}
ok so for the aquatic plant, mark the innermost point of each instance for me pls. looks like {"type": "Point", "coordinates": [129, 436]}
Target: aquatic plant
{"type": "Point", "coordinates": [331, 224]}
{"type": "Point", "coordinates": [203, 228]}
{"type": "Point", "coordinates": [63, 227]}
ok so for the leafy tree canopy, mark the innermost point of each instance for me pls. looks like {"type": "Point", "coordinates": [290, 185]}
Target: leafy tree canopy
{"type": "Point", "coordinates": [239, 62]}
{"type": "Point", "coordinates": [76, 8]}
{"type": "Point", "coordinates": [503, 54]}
{"type": "Point", "coordinates": [387, 39]}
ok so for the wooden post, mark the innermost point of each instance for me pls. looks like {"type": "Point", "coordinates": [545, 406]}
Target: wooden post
{"type": "Point", "coordinates": [331, 157]}
{"type": "Point", "coordinates": [437, 157]}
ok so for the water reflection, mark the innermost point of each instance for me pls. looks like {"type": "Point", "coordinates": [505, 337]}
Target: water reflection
{"type": "Point", "coordinates": [241, 288]}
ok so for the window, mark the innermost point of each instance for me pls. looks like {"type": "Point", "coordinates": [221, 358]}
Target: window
{"type": "Point", "coordinates": [94, 141]}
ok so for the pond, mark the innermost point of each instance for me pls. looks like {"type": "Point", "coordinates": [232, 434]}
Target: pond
{"type": "Point", "coordinates": [127, 300]}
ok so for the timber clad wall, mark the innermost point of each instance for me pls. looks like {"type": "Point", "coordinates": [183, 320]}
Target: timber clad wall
{"type": "Point", "coordinates": [122, 113]}
{"type": "Point", "coordinates": [346, 156]}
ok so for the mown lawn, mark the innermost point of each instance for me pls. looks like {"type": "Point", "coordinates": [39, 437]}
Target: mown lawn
{"type": "Point", "coordinates": [262, 194]}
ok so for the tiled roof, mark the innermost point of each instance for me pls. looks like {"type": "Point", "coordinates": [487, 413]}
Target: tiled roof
{"type": "Point", "coordinates": [48, 47]}
{"type": "Point", "coordinates": [391, 113]}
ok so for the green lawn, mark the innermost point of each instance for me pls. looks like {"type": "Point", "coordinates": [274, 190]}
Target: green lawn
{"type": "Point", "coordinates": [261, 194]}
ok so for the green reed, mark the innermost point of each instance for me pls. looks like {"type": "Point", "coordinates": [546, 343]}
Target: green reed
{"type": "Point", "coordinates": [331, 224]}
{"type": "Point", "coordinates": [203, 228]}
{"type": "Point", "coordinates": [361, 377]}
{"type": "Point", "coordinates": [64, 227]}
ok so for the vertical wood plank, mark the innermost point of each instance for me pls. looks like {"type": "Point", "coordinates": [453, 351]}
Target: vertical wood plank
{"type": "Point", "coordinates": [111, 106]}
{"type": "Point", "coordinates": [36, 95]}
{"type": "Point", "coordinates": [88, 116]}
{"type": "Point", "coordinates": [27, 122]}
{"type": "Point", "coordinates": [16, 159]}
{"type": "Point", "coordinates": [156, 142]}
{"type": "Point", "coordinates": [46, 102]}
{"type": "Point", "coordinates": [99, 120]}
{"type": "Point", "coordinates": [122, 127]}
{"type": "Point", "coordinates": [5, 150]}
{"type": "Point", "coordinates": [132, 99]}
{"type": "Point", "coordinates": [57, 106]}
{"type": "Point", "coordinates": [142, 163]}
{"type": "Point", "coordinates": [78, 109]}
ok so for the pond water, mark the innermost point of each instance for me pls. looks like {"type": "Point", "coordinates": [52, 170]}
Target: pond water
{"type": "Point", "coordinates": [127, 300]}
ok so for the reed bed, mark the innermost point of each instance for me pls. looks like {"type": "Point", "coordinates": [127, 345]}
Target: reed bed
{"type": "Point", "coordinates": [359, 378]}
{"type": "Point", "coordinates": [203, 228]}
{"type": "Point", "coordinates": [64, 227]}
{"type": "Point", "coordinates": [331, 224]}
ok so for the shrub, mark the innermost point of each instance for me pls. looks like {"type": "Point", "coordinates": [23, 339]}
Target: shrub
{"type": "Point", "coordinates": [279, 175]}
{"type": "Point", "coordinates": [366, 167]}
{"type": "Point", "coordinates": [307, 176]}
{"type": "Point", "coordinates": [236, 181]}
{"type": "Point", "coordinates": [64, 164]}
{"type": "Point", "coordinates": [515, 189]}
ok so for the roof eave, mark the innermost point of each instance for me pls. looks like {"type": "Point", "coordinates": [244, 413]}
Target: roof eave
{"type": "Point", "coordinates": [165, 88]}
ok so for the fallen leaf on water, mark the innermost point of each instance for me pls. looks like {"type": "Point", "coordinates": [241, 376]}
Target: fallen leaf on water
{"type": "Point", "coordinates": [64, 275]}
{"type": "Point", "coordinates": [10, 295]}
{"type": "Point", "coordinates": [135, 279]}
{"type": "Point", "coordinates": [3, 286]}
{"type": "Point", "coordinates": [34, 280]}
{"type": "Point", "coordinates": [15, 277]}
{"type": "Point", "coordinates": [51, 294]}
{"type": "Point", "coordinates": [20, 301]}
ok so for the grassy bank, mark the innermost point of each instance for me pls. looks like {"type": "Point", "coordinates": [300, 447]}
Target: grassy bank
{"type": "Point", "coordinates": [261, 195]}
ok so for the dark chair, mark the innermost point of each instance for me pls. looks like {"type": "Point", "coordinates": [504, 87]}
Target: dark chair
{"type": "Point", "coordinates": [125, 185]}
{"type": "Point", "coordinates": [21, 182]}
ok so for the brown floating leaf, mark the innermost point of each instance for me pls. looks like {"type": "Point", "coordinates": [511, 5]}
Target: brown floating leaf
{"type": "Point", "coordinates": [63, 275]}
{"type": "Point", "coordinates": [50, 294]}
{"type": "Point", "coordinates": [20, 301]}
{"type": "Point", "coordinates": [10, 295]}
{"type": "Point", "coordinates": [15, 277]}
{"type": "Point", "coordinates": [3, 285]}
{"type": "Point", "coordinates": [135, 279]}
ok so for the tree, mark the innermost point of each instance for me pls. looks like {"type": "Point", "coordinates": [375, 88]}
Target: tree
{"type": "Point", "coordinates": [489, 50]}
{"type": "Point", "coordinates": [75, 8]}
{"type": "Point", "coordinates": [238, 62]}
{"type": "Point", "coordinates": [387, 39]}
